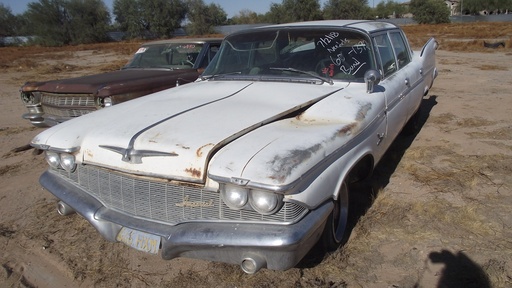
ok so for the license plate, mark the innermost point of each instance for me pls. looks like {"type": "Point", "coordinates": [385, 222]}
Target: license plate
{"type": "Point", "coordinates": [139, 240]}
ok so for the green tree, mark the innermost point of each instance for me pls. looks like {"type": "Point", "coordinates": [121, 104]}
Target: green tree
{"type": "Point", "coordinates": [246, 17]}
{"type": "Point", "coordinates": [149, 18]}
{"type": "Point", "coordinates": [89, 21]}
{"type": "Point", "coordinates": [49, 21]}
{"type": "Point", "coordinates": [347, 9]}
{"type": "Point", "coordinates": [429, 11]}
{"type": "Point", "coordinates": [63, 22]}
{"type": "Point", "coordinates": [7, 21]}
{"type": "Point", "coordinates": [384, 10]}
{"type": "Point", "coordinates": [128, 18]}
{"type": "Point", "coordinates": [203, 18]}
{"type": "Point", "coordinates": [162, 17]}
{"type": "Point", "coordinates": [294, 11]}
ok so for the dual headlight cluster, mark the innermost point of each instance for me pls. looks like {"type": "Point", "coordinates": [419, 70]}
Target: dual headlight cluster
{"type": "Point", "coordinates": [238, 198]}
{"type": "Point", "coordinates": [64, 161]}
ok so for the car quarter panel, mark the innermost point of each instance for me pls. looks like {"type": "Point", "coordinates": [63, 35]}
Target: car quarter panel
{"type": "Point", "coordinates": [279, 155]}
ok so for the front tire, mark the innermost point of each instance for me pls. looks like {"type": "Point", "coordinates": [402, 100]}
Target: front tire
{"type": "Point", "coordinates": [334, 232]}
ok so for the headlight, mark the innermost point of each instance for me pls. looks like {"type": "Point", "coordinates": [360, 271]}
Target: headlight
{"type": "Point", "coordinates": [107, 102]}
{"type": "Point", "coordinates": [53, 159]}
{"type": "Point", "coordinates": [104, 102]}
{"type": "Point", "coordinates": [67, 161]}
{"type": "Point", "coordinates": [30, 98]}
{"type": "Point", "coordinates": [234, 196]}
{"type": "Point", "coordinates": [265, 202]}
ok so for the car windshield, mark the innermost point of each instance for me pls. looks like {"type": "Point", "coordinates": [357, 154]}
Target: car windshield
{"type": "Point", "coordinates": [169, 55]}
{"type": "Point", "coordinates": [282, 54]}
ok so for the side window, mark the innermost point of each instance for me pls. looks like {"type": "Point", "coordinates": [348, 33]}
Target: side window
{"type": "Point", "coordinates": [401, 52]}
{"type": "Point", "coordinates": [387, 57]}
{"type": "Point", "coordinates": [212, 50]}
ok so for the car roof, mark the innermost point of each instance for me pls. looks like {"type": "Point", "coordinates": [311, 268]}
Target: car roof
{"type": "Point", "coordinates": [368, 26]}
{"type": "Point", "coordinates": [185, 40]}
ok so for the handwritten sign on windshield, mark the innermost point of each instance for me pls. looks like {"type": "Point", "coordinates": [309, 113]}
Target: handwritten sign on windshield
{"type": "Point", "coordinates": [347, 55]}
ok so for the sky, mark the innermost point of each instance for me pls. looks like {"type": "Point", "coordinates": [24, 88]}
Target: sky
{"type": "Point", "coordinates": [231, 7]}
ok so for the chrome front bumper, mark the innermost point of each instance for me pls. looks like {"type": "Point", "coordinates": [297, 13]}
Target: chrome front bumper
{"type": "Point", "coordinates": [37, 117]}
{"type": "Point", "coordinates": [253, 246]}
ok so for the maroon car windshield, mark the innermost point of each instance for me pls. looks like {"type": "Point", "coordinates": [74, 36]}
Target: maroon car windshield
{"type": "Point", "coordinates": [171, 56]}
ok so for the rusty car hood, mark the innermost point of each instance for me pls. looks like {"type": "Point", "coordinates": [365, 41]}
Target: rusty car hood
{"type": "Point", "coordinates": [115, 82]}
{"type": "Point", "coordinates": [179, 130]}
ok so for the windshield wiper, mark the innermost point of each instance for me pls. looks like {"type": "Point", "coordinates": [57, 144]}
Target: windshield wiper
{"type": "Point", "coordinates": [324, 79]}
{"type": "Point", "coordinates": [208, 77]}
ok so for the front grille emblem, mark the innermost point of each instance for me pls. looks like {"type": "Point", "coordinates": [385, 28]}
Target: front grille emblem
{"type": "Point", "coordinates": [135, 156]}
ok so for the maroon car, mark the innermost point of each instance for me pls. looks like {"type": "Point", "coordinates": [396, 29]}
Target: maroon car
{"type": "Point", "coordinates": [155, 66]}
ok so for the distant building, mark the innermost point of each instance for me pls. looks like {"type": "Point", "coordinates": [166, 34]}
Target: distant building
{"type": "Point", "coordinates": [454, 7]}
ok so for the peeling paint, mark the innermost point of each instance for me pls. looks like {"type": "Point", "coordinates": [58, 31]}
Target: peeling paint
{"type": "Point", "coordinates": [347, 129]}
{"type": "Point", "coordinates": [363, 111]}
{"type": "Point", "coordinates": [282, 167]}
{"type": "Point", "coordinates": [352, 128]}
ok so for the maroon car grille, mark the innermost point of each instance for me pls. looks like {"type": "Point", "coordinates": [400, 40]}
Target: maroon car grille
{"type": "Point", "coordinates": [67, 105]}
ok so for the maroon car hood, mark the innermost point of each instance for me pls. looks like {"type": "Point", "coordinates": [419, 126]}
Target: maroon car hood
{"type": "Point", "coordinates": [116, 82]}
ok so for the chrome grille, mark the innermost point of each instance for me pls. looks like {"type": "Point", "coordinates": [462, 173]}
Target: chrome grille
{"type": "Point", "coordinates": [162, 201]}
{"type": "Point", "coordinates": [67, 105]}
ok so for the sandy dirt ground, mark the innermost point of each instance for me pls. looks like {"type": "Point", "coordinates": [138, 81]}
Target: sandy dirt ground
{"type": "Point", "coordinates": [436, 213]}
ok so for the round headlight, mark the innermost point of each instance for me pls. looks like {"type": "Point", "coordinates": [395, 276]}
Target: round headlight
{"type": "Point", "coordinates": [235, 197]}
{"type": "Point", "coordinates": [104, 102]}
{"type": "Point", "coordinates": [265, 202]}
{"type": "Point", "coordinates": [31, 98]}
{"type": "Point", "coordinates": [53, 159]}
{"type": "Point", "coordinates": [107, 102]}
{"type": "Point", "coordinates": [67, 161]}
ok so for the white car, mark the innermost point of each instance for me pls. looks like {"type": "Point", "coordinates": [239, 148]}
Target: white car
{"type": "Point", "coordinates": [250, 164]}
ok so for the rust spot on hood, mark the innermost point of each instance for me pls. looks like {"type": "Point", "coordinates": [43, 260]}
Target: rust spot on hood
{"type": "Point", "coordinates": [282, 166]}
{"type": "Point", "coordinates": [196, 173]}
{"type": "Point", "coordinates": [353, 127]}
{"type": "Point", "coordinates": [363, 111]}
{"type": "Point", "coordinates": [199, 152]}
{"type": "Point", "coordinates": [347, 129]}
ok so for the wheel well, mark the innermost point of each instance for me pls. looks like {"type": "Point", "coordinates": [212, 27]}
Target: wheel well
{"type": "Point", "coordinates": [362, 170]}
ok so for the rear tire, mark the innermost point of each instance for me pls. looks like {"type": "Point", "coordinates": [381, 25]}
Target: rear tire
{"type": "Point", "coordinates": [334, 232]}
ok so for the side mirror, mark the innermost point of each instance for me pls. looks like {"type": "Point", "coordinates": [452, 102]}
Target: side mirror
{"type": "Point", "coordinates": [371, 78]}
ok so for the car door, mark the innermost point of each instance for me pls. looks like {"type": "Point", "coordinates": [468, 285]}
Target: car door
{"type": "Point", "coordinates": [394, 84]}
{"type": "Point", "coordinates": [412, 71]}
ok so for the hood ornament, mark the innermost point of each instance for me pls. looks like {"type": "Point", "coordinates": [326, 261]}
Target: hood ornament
{"type": "Point", "coordinates": [135, 156]}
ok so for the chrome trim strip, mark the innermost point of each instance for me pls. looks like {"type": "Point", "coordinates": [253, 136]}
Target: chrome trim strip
{"type": "Point", "coordinates": [130, 148]}
{"type": "Point", "coordinates": [135, 156]}
{"type": "Point", "coordinates": [55, 149]}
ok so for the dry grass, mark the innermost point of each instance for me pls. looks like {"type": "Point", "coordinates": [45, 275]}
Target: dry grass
{"type": "Point", "coordinates": [466, 37]}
